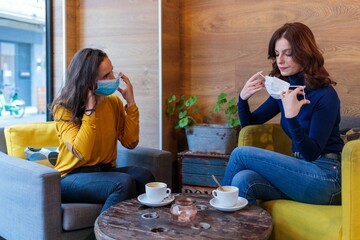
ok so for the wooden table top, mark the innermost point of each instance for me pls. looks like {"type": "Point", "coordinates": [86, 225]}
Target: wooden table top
{"type": "Point", "coordinates": [124, 221]}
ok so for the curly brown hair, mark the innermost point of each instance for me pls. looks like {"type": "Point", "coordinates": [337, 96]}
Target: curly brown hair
{"type": "Point", "coordinates": [304, 51]}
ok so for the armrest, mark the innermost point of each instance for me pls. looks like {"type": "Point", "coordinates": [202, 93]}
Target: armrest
{"type": "Point", "coordinates": [2, 141]}
{"type": "Point", "coordinates": [30, 203]}
{"type": "Point", "coordinates": [266, 136]}
{"type": "Point", "coordinates": [350, 169]}
{"type": "Point", "coordinates": [160, 163]}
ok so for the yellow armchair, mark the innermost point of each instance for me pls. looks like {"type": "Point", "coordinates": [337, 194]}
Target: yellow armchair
{"type": "Point", "coordinates": [295, 220]}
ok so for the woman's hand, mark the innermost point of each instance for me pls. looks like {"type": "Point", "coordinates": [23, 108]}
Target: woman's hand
{"type": "Point", "coordinates": [290, 102]}
{"type": "Point", "coordinates": [127, 93]}
{"type": "Point", "coordinates": [253, 85]}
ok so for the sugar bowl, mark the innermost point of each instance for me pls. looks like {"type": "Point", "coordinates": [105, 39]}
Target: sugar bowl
{"type": "Point", "coordinates": [183, 209]}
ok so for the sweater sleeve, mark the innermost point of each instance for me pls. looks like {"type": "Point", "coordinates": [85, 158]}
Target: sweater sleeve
{"type": "Point", "coordinates": [323, 118]}
{"type": "Point", "coordinates": [78, 140]}
{"type": "Point", "coordinates": [266, 111]}
{"type": "Point", "coordinates": [128, 125]}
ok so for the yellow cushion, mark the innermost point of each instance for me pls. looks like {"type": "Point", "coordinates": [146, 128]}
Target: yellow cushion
{"type": "Point", "coordinates": [37, 135]}
{"type": "Point", "coordinates": [266, 136]}
{"type": "Point", "coordinates": [294, 220]}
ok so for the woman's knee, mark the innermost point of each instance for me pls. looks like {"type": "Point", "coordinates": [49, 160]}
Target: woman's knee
{"type": "Point", "coordinates": [126, 180]}
{"type": "Point", "coordinates": [239, 178]}
{"type": "Point", "coordinates": [240, 152]}
{"type": "Point", "coordinates": [124, 184]}
{"type": "Point", "coordinates": [244, 179]}
{"type": "Point", "coordinates": [146, 174]}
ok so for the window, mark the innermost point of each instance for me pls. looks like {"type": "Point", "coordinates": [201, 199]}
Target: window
{"type": "Point", "coordinates": [23, 61]}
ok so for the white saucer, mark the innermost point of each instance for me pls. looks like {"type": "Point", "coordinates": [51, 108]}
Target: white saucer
{"type": "Point", "coordinates": [144, 200]}
{"type": "Point", "coordinates": [242, 202]}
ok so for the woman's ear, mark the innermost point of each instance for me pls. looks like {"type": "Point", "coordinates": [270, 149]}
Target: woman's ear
{"type": "Point", "coordinates": [92, 87]}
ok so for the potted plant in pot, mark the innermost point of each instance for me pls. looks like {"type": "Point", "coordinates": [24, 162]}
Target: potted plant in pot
{"type": "Point", "coordinates": [184, 108]}
{"type": "Point", "coordinates": [201, 137]}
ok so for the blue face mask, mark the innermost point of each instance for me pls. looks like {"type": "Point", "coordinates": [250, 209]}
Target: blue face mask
{"type": "Point", "coordinates": [107, 87]}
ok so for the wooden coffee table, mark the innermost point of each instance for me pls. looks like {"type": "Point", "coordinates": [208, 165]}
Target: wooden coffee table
{"type": "Point", "coordinates": [130, 220]}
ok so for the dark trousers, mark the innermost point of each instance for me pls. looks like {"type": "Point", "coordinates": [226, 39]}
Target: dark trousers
{"type": "Point", "coordinates": [104, 184]}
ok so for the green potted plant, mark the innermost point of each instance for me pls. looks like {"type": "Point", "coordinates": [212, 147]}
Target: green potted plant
{"type": "Point", "coordinates": [230, 109]}
{"type": "Point", "coordinates": [201, 137]}
{"type": "Point", "coordinates": [184, 109]}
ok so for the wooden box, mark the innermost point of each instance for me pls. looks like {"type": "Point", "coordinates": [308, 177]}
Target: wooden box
{"type": "Point", "coordinates": [196, 168]}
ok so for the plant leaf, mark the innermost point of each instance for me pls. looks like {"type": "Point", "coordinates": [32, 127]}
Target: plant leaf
{"type": "Point", "coordinates": [237, 122]}
{"type": "Point", "coordinates": [170, 110]}
{"type": "Point", "coordinates": [222, 96]}
{"type": "Point", "coordinates": [182, 114]}
{"type": "Point", "coordinates": [183, 122]}
{"type": "Point", "coordinates": [180, 105]}
{"type": "Point", "coordinates": [196, 109]}
{"type": "Point", "coordinates": [191, 101]}
{"type": "Point", "coordinates": [171, 98]}
{"type": "Point", "coordinates": [216, 108]}
{"type": "Point", "coordinates": [232, 101]}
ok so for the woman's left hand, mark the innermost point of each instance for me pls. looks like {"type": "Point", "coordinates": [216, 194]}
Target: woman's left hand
{"type": "Point", "coordinates": [290, 102]}
{"type": "Point", "coordinates": [127, 92]}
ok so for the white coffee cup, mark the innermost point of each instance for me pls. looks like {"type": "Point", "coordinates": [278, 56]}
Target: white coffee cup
{"type": "Point", "coordinates": [227, 197]}
{"type": "Point", "coordinates": [156, 191]}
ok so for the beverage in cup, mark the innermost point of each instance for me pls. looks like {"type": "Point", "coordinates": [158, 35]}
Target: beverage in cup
{"type": "Point", "coordinates": [227, 196]}
{"type": "Point", "coordinates": [157, 191]}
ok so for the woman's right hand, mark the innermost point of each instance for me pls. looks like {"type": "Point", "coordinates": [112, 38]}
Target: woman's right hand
{"type": "Point", "coordinates": [253, 85]}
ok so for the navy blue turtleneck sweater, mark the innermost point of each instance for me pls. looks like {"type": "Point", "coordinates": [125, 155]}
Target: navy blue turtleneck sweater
{"type": "Point", "coordinates": [314, 131]}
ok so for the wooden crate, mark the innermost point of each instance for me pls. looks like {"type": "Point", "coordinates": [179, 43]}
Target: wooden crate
{"type": "Point", "coordinates": [196, 189]}
{"type": "Point", "coordinates": [195, 170]}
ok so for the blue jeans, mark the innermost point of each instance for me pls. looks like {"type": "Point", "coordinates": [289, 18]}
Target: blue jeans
{"type": "Point", "coordinates": [267, 175]}
{"type": "Point", "coordinates": [104, 184]}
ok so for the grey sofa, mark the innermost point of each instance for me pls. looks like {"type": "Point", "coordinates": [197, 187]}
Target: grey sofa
{"type": "Point", "coordinates": [30, 196]}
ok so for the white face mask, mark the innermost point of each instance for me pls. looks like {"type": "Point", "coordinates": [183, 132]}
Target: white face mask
{"type": "Point", "coordinates": [275, 86]}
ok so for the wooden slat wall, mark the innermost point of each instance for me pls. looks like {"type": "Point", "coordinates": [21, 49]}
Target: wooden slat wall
{"type": "Point", "coordinates": [128, 32]}
{"type": "Point", "coordinates": [210, 46]}
{"type": "Point", "coordinates": [225, 42]}
{"type": "Point", "coordinates": [171, 67]}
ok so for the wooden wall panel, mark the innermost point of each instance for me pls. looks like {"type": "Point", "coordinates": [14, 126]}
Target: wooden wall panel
{"type": "Point", "coordinates": [58, 39]}
{"type": "Point", "coordinates": [171, 67]}
{"type": "Point", "coordinates": [225, 42]}
{"type": "Point", "coordinates": [208, 46]}
{"type": "Point", "coordinates": [128, 32]}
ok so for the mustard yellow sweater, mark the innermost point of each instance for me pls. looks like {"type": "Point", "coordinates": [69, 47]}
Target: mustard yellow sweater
{"type": "Point", "coordinates": [95, 141]}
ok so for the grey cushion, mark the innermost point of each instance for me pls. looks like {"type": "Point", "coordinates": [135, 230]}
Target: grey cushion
{"type": "Point", "coordinates": [79, 215]}
{"type": "Point", "coordinates": [348, 122]}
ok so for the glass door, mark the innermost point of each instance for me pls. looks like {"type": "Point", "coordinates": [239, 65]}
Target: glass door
{"type": "Point", "coordinates": [23, 62]}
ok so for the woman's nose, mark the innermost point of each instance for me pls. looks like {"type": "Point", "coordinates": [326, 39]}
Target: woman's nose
{"type": "Point", "coordinates": [280, 58]}
{"type": "Point", "coordinates": [115, 74]}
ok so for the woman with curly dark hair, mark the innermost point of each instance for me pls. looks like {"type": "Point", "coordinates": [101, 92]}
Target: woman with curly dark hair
{"type": "Point", "coordinates": [301, 90]}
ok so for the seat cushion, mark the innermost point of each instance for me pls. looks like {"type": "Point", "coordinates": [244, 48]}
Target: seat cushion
{"type": "Point", "coordinates": [294, 220]}
{"type": "Point", "coordinates": [79, 215]}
